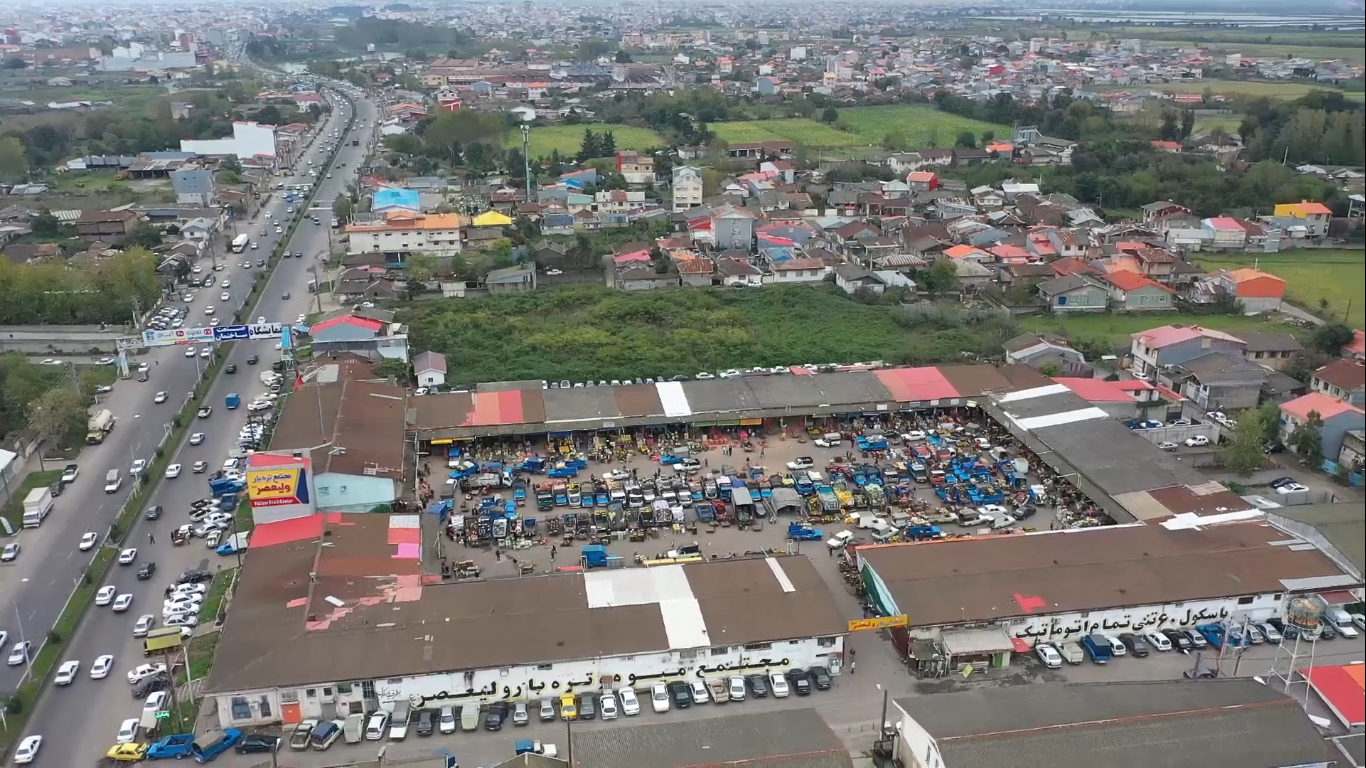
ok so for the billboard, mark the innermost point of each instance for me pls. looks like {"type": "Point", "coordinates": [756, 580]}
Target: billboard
{"type": "Point", "coordinates": [277, 486]}
{"type": "Point", "coordinates": [153, 338]}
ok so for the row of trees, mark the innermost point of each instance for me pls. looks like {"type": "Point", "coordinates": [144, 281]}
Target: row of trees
{"type": "Point", "coordinates": [60, 293]}
{"type": "Point", "coordinates": [1321, 127]}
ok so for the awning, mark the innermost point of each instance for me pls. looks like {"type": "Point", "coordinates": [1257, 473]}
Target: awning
{"type": "Point", "coordinates": [977, 642]}
{"type": "Point", "coordinates": [751, 422]}
{"type": "Point", "coordinates": [443, 441]}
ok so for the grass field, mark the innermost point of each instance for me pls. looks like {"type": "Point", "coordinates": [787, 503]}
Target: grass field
{"type": "Point", "coordinates": [568, 138]}
{"type": "Point", "coordinates": [120, 95]}
{"type": "Point", "coordinates": [1252, 88]}
{"type": "Point", "coordinates": [920, 125]}
{"type": "Point", "coordinates": [1274, 51]}
{"type": "Point", "coordinates": [1312, 276]}
{"type": "Point", "coordinates": [1230, 123]}
{"type": "Point", "coordinates": [1115, 330]}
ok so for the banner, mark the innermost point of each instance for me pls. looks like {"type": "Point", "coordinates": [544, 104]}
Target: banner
{"type": "Point", "coordinates": [231, 333]}
{"type": "Point", "coordinates": [277, 486]}
{"type": "Point", "coordinates": [266, 330]}
{"type": "Point", "coordinates": [154, 338]}
{"type": "Point", "coordinates": [880, 622]}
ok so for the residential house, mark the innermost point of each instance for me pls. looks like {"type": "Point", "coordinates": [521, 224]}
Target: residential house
{"type": "Point", "coordinates": [1154, 213]}
{"type": "Point", "coordinates": [1338, 418]}
{"type": "Point", "coordinates": [642, 277]}
{"type": "Point", "coordinates": [1217, 381]}
{"type": "Point", "coordinates": [22, 253]}
{"type": "Point", "coordinates": [1132, 292]}
{"type": "Point", "coordinates": [1272, 350]}
{"type": "Point", "coordinates": [110, 225]}
{"type": "Point", "coordinates": [972, 275]}
{"type": "Point", "coordinates": [1223, 233]}
{"type": "Point", "coordinates": [697, 272]}
{"type": "Point", "coordinates": [1037, 350]}
{"type": "Point", "coordinates": [802, 270]}
{"type": "Point", "coordinates": [1256, 290]}
{"type": "Point", "coordinates": [1343, 380]}
{"type": "Point", "coordinates": [636, 168]}
{"type": "Point", "coordinates": [393, 199]}
{"type": "Point", "coordinates": [520, 278]}
{"type": "Point", "coordinates": [922, 181]}
{"type": "Point", "coordinates": [401, 232]}
{"type": "Point", "coordinates": [1312, 217]}
{"type": "Point", "coordinates": [1156, 263]}
{"type": "Point", "coordinates": [732, 227]}
{"type": "Point", "coordinates": [736, 271]}
{"type": "Point", "coordinates": [851, 279]}
{"type": "Point", "coordinates": [194, 186]}
{"type": "Point", "coordinates": [1074, 293]}
{"type": "Point", "coordinates": [430, 369]}
{"type": "Point", "coordinates": [1174, 344]}
{"type": "Point", "coordinates": [687, 187]}
{"type": "Point", "coordinates": [371, 333]}
{"type": "Point", "coordinates": [1353, 453]}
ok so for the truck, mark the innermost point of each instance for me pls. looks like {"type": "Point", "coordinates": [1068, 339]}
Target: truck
{"type": "Point", "coordinates": [99, 427]}
{"type": "Point", "coordinates": [827, 499]}
{"type": "Point", "coordinates": [37, 504]}
{"type": "Point", "coordinates": [214, 743]}
{"type": "Point", "coordinates": [1097, 647]}
{"type": "Point", "coordinates": [239, 243]}
{"type": "Point", "coordinates": [235, 543]}
{"type": "Point", "coordinates": [160, 640]}
{"type": "Point", "coordinates": [222, 486]}
{"type": "Point", "coordinates": [353, 730]}
{"type": "Point", "coordinates": [177, 746]}
{"type": "Point", "coordinates": [232, 401]}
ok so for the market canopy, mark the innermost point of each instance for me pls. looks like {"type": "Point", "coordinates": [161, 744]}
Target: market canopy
{"type": "Point", "coordinates": [491, 219]}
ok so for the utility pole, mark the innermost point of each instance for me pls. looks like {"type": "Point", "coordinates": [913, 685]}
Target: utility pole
{"type": "Point", "coordinates": [526, 158]}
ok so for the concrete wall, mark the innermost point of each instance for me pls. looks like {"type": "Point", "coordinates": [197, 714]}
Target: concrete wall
{"type": "Point", "coordinates": [60, 339]}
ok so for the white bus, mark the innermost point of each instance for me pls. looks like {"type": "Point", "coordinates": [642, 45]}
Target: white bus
{"type": "Point", "coordinates": [239, 243]}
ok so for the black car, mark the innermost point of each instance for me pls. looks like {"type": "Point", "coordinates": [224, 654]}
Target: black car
{"type": "Point", "coordinates": [152, 513]}
{"type": "Point", "coordinates": [253, 360]}
{"type": "Point", "coordinates": [498, 712]}
{"type": "Point", "coordinates": [680, 693]}
{"type": "Point", "coordinates": [588, 707]}
{"type": "Point", "coordinates": [194, 576]}
{"type": "Point", "coordinates": [1326, 631]}
{"type": "Point", "coordinates": [231, 368]}
{"type": "Point", "coordinates": [1137, 648]}
{"type": "Point", "coordinates": [426, 722]}
{"type": "Point", "coordinates": [758, 685]}
{"type": "Point", "coordinates": [254, 743]}
{"type": "Point", "coordinates": [820, 676]}
{"type": "Point", "coordinates": [800, 681]}
{"type": "Point", "coordinates": [145, 572]}
{"type": "Point", "coordinates": [56, 488]}
{"type": "Point", "coordinates": [1278, 482]}
{"type": "Point", "coordinates": [150, 685]}
{"type": "Point", "coordinates": [1287, 631]}
{"type": "Point", "coordinates": [1179, 639]}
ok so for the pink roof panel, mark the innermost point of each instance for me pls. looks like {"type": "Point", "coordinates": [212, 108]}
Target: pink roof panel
{"type": "Point", "coordinates": [909, 385]}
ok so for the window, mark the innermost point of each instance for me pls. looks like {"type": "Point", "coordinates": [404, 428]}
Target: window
{"type": "Point", "coordinates": [1245, 601]}
{"type": "Point", "coordinates": [344, 688]}
{"type": "Point", "coordinates": [545, 667]}
{"type": "Point", "coordinates": [240, 709]}
{"type": "Point", "coordinates": [759, 647]}
{"type": "Point", "coordinates": [312, 693]}
{"type": "Point", "coordinates": [687, 655]}
{"type": "Point", "coordinates": [720, 650]}
{"type": "Point", "coordinates": [825, 642]}
{"type": "Point", "coordinates": [289, 697]}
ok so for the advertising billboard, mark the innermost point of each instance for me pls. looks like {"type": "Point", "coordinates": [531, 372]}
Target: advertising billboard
{"type": "Point", "coordinates": [153, 338]}
{"type": "Point", "coordinates": [277, 486]}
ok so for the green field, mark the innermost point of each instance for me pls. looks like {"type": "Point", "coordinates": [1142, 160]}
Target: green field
{"type": "Point", "coordinates": [1230, 123]}
{"type": "Point", "coordinates": [1273, 51]}
{"type": "Point", "coordinates": [1114, 331]}
{"type": "Point", "coordinates": [1248, 88]}
{"type": "Point", "coordinates": [920, 125]}
{"type": "Point", "coordinates": [1311, 276]}
{"type": "Point", "coordinates": [568, 138]}
{"type": "Point", "coordinates": [120, 95]}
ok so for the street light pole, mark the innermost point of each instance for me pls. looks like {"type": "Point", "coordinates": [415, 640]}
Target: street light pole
{"type": "Point", "coordinates": [882, 721]}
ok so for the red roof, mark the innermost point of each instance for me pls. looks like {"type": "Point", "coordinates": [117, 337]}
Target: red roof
{"type": "Point", "coordinates": [1132, 281]}
{"type": "Point", "coordinates": [363, 322]}
{"type": "Point", "coordinates": [1317, 402]}
{"type": "Point", "coordinates": [1096, 390]}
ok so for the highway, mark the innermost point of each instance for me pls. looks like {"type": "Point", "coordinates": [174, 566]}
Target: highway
{"type": "Point", "coordinates": [79, 722]}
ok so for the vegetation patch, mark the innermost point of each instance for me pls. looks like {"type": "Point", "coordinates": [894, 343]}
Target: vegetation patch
{"type": "Point", "coordinates": [1231, 88]}
{"type": "Point", "coordinates": [798, 130]}
{"type": "Point", "coordinates": [1104, 332]}
{"type": "Point", "coordinates": [920, 125]}
{"type": "Point", "coordinates": [566, 139]}
{"type": "Point", "coordinates": [1329, 282]}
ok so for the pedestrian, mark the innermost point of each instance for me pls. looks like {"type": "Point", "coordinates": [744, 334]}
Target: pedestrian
{"type": "Point", "coordinates": [151, 540]}
{"type": "Point", "coordinates": [553, 550]}
{"type": "Point", "coordinates": [498, 554]}
{"type": "Point", "coordinates": [853, 665]}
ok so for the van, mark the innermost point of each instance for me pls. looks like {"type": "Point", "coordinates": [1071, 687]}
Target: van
{"type": "Point", "coordinates": [1342, 622]}
{"type": "Point", "coordinates": [112, 481]}
{"type": "Point", "coordinates": [398, 725]}
{"type": "Point", "coordinates": [324, 736]}
{"type": "Point", "coordinates": [353, 729]}
{"type": "Point", "coordinates": [469, 717]}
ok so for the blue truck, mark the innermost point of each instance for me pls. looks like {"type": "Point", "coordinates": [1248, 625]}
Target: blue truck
{"type": "Point", "coordinates": [172, 747]}
{"type": "Point", "coordinates": [232, 401]}
{"type": "Point", "coordinates": [1097, 647]}
{"type": "Point", "coordinates": [208, 747]}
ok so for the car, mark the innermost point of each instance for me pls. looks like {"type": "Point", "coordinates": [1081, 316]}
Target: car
{"type": "Point", "coordinates": [67, 672]}
{"type": "Point", "coordinates": [128, 753]}
{"type": "Point", "coordinates": [700, 694]}
{"type": "Point", "coordinates": [100, 669]}
{"type": "Point", "coordinates": [172, 471]}
{"type": "Point", "coordinates": [88, 541]}
{"type": "Point", "coordinates": [1048, 655]}
{"type": "Point", "coordinates": [758, 685]}
{"type": "Point", "coordinates": [197, 438]}
{"type": "Point", "coordinates": [143, 671]}
{"type": "Point", "coordinates": [1135, 645]}
{"type": "Point", "coordinates": [138, 466]}
{"type": "Point", "coordinates": [1182, 422]}
{"type": "Point", "coordinates": [70, 472]}
{"type": "Point", "coordinates": [258, 743]}
{"type": "Point", "coordinates": [820, 677]}
{"type": "Point", "coordinates": [1157, 640]}
{"type": "Point", "coordinates": [194, 576]}
{"type": "Point", "coordinates": [209, 310]}
{"type": "Point", "coordinates": [1271, 634]}
{"type": "Point", "coordinates": [301, 319]}
{"type": "Point", "coordinates": [253, 360]}
{"type": "Point", "coordinates": [1278, 482]}
{"type": "Point", "coordinates": [106, 594]}
{"type": "Point", "coordinates": [659, 697]}
{"type": "Point", "coordinates": [200, 467]}
{"type": "Point", "coordinates": [496, 716]}
{"type": "Point", "coordinates": [607, 704]}
{"type": "Point", "coordinates": [520, 716]}
{"type": "Point", "coordinates": [191, 352]}
{"type": "Point", "coordinates": [10, 553]}
{"type": "Point", "coordinates": [144, 624]}
{"type": "Point", "coordinates": [147, 570]}
{"type": "Point", "coordinates": [123, 602]}
{"type": "Point", "coordinates": [21, 652]}
{"type": "Point", "coordinates": [1254, 634]}
{"type": "Point", "coordinates": [801, 462]}
{"type": "Point", "coordinates": [155, 700]}
{"type": "Point", "coordinates": [736, 688]}
{"type": "Point", "coordinates": [1197, 640]}
{"type": "Point", "coordinates": [188, 620]}
{"type": "Point", "coordinates": [1179, 640]}
{"type": "Point", "coordinates": [28, 750]}
{"type": "Point", "coordinates": [225, 296]}
{"type": "Point", "coordinates": [778, 683]}
{"type": "Point", "coordinates": [630, 703]}
{"type": "Point", "coordinates": [1291, 488]}
{"type": "Point", "coordinates": [1197, 441]}
{"type": "Point", "coordinates": [230, 368]}
{"type": "Point", "coordinates": [800, 681]}
{"type": "Point", "coordinates": [205, 412]}
{"type": "Point", "coordinates": [127, 556]}
{"type": "Point", "coordinates": [1167, 445]}
{"type": "Point", "coordinates": [588, 707]}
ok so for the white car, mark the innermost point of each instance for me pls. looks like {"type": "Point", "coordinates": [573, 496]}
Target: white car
{"type": "Point", "coordinates": [127, 556]}
{"type": "Point", "coordinates": [704, 376]}
{"type": "Point", "coordinates": [659, 698]}
{"type": "Point", "coordinates": [160, 397]}
{"type": "Point", "coordinates": [607, 706]}
{"type": "Point", "coordinates": [197, 438]}
{"type": "Point", "coordinates": [67, 672]}
{"type": "Point", "coordinates": [128, 731]}
{"type": "Point", "coordinates": [190, 352]}
{"type": "Point", "coordinates": [1291, 488]}
{"type": "Point", "coordinates": [173, 472]}
{"type": "Point", "coordinates": [730, 373]}
{"type": "Point", "coordinates": [1158, 640]}
{"type": "Point", "coordinates": [28, 749]}
{"type": "Point", "coordinates": [123, 602]}
{"type": "Point", "coordinates": [106, 595]}
{"type": "Point", "coordinates": [200, 467]}
{"type": "Point", "coordinates": [144, 625]}
{"type": "Point", "coordinates": [737, 688]}
{"type": "Point", "coordinates": [155, 701]}
{"type": "Point", "coordinates": [206, 352]}
{"type": "Point", "coordinates": [180, 609]}
{"type": "Point", "coordinates": [630, 705]}
{"type": "Point", "coordinates": [189, 589]}
{"type": "Point", "coordinates": [100, 669]}
{"type": "Point", "coordinates": [1048, 655]}
{"type": "Point", "coordinates": [209, 310]}
{"type": "Point", "coordinates": [777, 682]}
{"type": "Point", "coordinates": [144, 671]}
{"type": "Point", "coordinates": [138, 466]}
{"type": "Point", "coordinates": [1168, 446]}
{"type": "Point", "coordinates": [301, 319]}
{"type": "Point", "coordinates": [225, 297]}
{"type": "Point", "coordinates": [226, 284]}
{"type": "Point", "coordinates": [1197, 441]}
{"type": "Point", "coordinates": [803, 462]}
{"type": "Point", "coordinates": [182, 620]}
{"type": "Point", "coordinates": [88, 541]}
{"type": "Point", "coordinates": [20, 652]}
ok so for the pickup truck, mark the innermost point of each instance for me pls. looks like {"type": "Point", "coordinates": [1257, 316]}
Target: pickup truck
{"type": "Point", "coordinates": [178, 746]}
{"type": "Point", "coordinates": [214, 743]}
{"type": "Point", "coordinates": [1098, 647]}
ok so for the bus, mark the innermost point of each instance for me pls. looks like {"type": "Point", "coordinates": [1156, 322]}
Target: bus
{"type": "Point", "coordinates": [239, 243]}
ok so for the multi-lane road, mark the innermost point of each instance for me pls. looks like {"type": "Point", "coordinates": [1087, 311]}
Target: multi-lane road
{"type": "Point", "coordinates": [79, 722]}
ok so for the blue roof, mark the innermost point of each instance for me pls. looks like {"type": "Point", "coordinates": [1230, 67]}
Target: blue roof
{"type": "Point", "coordinates": [396, 198]}
{"type": "Point", "coordinates": [778, 254]}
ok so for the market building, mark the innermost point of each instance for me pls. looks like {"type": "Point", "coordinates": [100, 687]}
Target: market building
{"type": "Point", "coordinates": [977, 601]}
{"type": "Point", "coordinates": [338, 614]}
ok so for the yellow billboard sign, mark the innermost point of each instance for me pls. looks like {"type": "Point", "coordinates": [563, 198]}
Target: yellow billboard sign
{"type": "Point", "coordinates": [276, 486]}
{"type": "Point", "coordinates": [880, 622]}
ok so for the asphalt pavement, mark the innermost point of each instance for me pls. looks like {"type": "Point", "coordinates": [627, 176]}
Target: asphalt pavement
{"type": "Point", "coordinates": [80, 721]}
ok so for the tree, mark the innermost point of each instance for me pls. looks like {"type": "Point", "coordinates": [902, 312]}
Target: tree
{"type": "Point", "coordinates": [144, 235]}
{"type": "Point", "coordinates": [341, 208]}
{"type": "Point", "coordinates": [623, 57]}
{"type": "Point", "coordinates": [966, 140]}
{"type": "Point", "coordinates": [1307, 440]}
{"type": "Point", "coordinates": [13, 158]}
{"type": "Point", "coordinates": [59, 414]}
{"type": "Point", "coordinates": [590, 147]}
{"type": "Point", "coordinates": [1187, 122]}
{"type": "Point", "coordinates": [1331, 338]}
{"type": "Point", "coordinates": [390, 368]}
{"type": "Point", "coordinates": [1050, 369]}
{"type": "Point", "coordinates": [45, 224]}
{"type": "Point", "coordinates": [421, 268]}
{"type": "Point", "coordinates": [231, 163]}
{"type": "Point", "coordinates": [829, 115]}
{"type": "Point", "coordinates": [941, 277]}
{"type": "Point", "coordinates": [269, 115]}
{"type": "Point", "coordinates": [15, 63]}
{"type": "Point", "coordinates": [1169, 129]}
{"type": "Point", "coordinates": [1244, 452]}
{"type": "Point", "coordinates": [608, 147]}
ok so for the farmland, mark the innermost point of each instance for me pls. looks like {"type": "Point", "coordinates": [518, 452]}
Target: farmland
{"type": "Point", "coordinates": [1272, 51]}
{"type": "Point", "coordinates": [568, 138]}
{"type": "Point", "coordinates": [920, 126]}
{"type": "Point", "coordinates": [1312, 276]}
{"type": "Point", "coordinates": [1113, 331]}
{"type": "Point", "coordinates": [1228, 88]}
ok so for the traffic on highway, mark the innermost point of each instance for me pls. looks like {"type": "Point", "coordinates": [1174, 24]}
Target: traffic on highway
{"type": "Point", "coordinates": [159, 583]}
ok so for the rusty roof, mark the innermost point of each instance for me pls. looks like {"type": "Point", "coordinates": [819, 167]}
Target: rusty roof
{"type": "Point", "coordinates": [974, 580]}
{"type": "Point", "coordinates": [352, 427]}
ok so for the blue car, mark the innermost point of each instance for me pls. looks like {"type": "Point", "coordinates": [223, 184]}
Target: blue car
{"type": "Point", "coordinates": [172, 747]}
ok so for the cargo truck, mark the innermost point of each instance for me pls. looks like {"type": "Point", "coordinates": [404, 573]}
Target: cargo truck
{"type": "Point", "coordinates": [1097, 647]}
{"type": "Point", "coordinates": [99, 427]}
{"type": "Point", "coordinates": [37, 504]}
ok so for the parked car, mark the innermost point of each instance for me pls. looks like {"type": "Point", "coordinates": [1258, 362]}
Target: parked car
{"type": "Point", "coordinates": [1048, 655]}
{"type": "Point", "coordinates": [1197, 640]}
{"type": "Point", "coordinates": [608, 704]}
{"type": "Point", "coordinates": [659, 697]}
{"type": "Point", "coordinates": [1197, 441]}
{"type": "Point", "coordinates": [737, 688]}
{"type": "Point", "coordinates": [758, 686]}
{"type": "Point", "coordinates": [820, 676]}
{"type": "Point", "coordinates": [800, 681]}
{"type": "Point", "coordinates": [1135, 645]}
{"type": "Point", "coordinates": [778, 683]}
{"type": "Point", "coordinates": [630, 704]}
{"type": "Point", "coordinates": [680, 694]}
{"type": "Point", "coordinates": [1157, 640]}
{"type": "Point", "coordinates": [497, 714]}
{"type": "Point", "coordinates": [588, 708]}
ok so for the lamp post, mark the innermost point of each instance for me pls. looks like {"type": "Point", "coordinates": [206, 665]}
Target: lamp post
{"type": "Point", "coordinates": [882, 721]}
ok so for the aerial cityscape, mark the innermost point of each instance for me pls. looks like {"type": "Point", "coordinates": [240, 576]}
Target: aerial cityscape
{"type": "Point", "coordinates": [1026, 340]}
